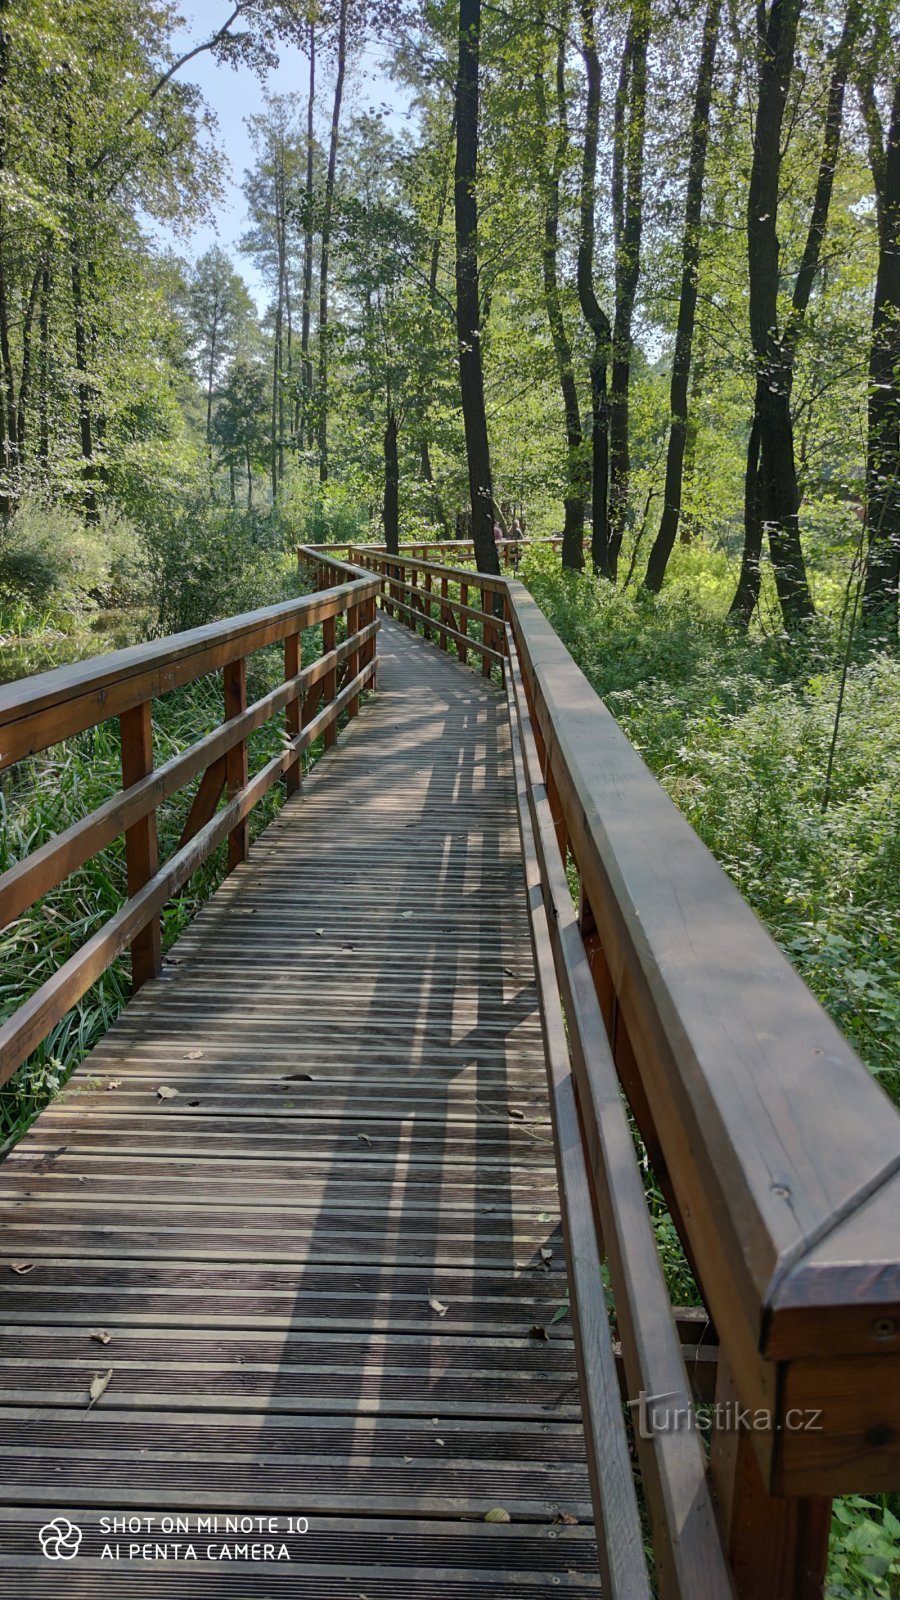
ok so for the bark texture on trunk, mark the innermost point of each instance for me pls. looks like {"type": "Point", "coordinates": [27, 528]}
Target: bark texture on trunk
{"type": "Point", "coordinates": [468, 308]}
{"type": "Point", "coordinates": [628, 218]}
{"type": "Point", "coordinates": [593, 313]}
{"type": "Point", "coordinates": [327, 216]}
{"type": "Point", "coordinates": [391, 485]}
{"type": "Point", "coordinates": [687, 304]}
{"type": "Point", "coordinates": [882, 577]}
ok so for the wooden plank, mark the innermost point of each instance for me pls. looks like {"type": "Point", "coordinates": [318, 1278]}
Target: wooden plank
{"type": "Point", "coordinates": [205, 801]}
{"type": "Point", "coordinates": [292, 664]}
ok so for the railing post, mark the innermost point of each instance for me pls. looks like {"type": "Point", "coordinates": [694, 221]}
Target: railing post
{"type": "Point", "coordinates": [487, 601]}
{"type": "Point", "coordinates": [443, 641]}
{"type": "Point", "coordinates": [141, 848]}
{"type": "Point", "coordinates": [330, 680]}
{"type": "Point", "coordinates": [463, 623]}
{"type": "Point", "coordinates": [292, 656]}
{"type": "Point", "coordinates": [353, 620]}
{"type": "Point", "coordinates": [775, 1546]}
{"type": "Point", "coordinates": [428, 586]}
{"type": "Point", "coordinates": [236, 763]}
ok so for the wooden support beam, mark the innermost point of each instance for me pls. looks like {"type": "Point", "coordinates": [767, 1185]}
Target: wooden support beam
{"type": "Point", "coordinates": [329, 682]}
{"type": "Point", "coordinates": [776, 1547]}
{"type": "Point", "coordinates": [203, 806]}
{"type": "Point", "coordinates": [236, 762]}
{"type": "Point", "coordinates": [292, 658]}
{"type": "Point", "coordinates": [141, 847]}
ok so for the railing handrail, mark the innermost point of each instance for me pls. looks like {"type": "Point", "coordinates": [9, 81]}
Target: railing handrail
{"type": "Point", "coordinates": [124, 684]}
{"type": "Point", "coordinates": [777, 1151]}
{"type": "Point", "coordinates": [131, 670]}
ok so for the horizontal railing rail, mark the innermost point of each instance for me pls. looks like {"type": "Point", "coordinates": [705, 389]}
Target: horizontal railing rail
{"type": "Point", "coordinates": [776, 1151]}
{"type": "Point", "coordinates": [38, 712]}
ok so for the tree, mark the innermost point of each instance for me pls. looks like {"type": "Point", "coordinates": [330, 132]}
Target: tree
{"type": "Point", "coordinates": [553, 157]}
{"type": "Point", "coordinates": [593, 313]}
{"type": "Point", "coordinates": [240, 423]}
{"type": "Point", "coordinates": [468, 306]}
{"type": "Point", "coordinates": [628, 218]}
{"type": "Point", "coordinates": [687, 305]}
{"type": "Point", "coordinates": [220, 312]}
{"type": "Point", "coordinates": [324, 257]}
{"type": "Point", "coordinates": [882, 577]}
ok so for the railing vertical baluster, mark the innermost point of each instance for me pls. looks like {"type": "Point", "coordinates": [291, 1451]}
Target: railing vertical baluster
{"type": "Point", "coordinates": [464, 623]}
{"type": "Point", "coordinates": [330, 680]}
{"type": "Point", "coordinates": [428, 609]}
{"type": "Point", "coordinates": [236, 761]}
{"type": "Point", "coordinates": [292, 658]}
{"type": "Point", "coordinates": [141, 848]}
{"type": "Point", "coordinates": [487, 601]}
{"type": "Point", "coordinates": [353, 626]}
{"type": "Point", "coordinates": [445, 590]}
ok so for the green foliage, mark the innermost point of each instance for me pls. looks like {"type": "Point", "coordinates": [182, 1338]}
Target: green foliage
{"type": "Point", "coordinates": [865, 1550]}
{"type": "Point", "coordinates": [207, 561]}
{"type": "Point", "coordinates": [52, 560]}
{"type": "Point", "coordinates": [738, 731]}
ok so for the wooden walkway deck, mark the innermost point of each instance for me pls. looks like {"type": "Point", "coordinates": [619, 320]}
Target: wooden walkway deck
{"type": "Point", "coordinates": [306, 1187]}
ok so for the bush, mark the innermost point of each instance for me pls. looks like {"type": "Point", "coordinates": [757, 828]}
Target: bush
{"type": "Point", "coordinates": [51, 560]}
{"type": "Point", "coordinates": [209, 561]}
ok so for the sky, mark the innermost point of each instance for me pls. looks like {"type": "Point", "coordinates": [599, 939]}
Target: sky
{"type": "Point", "coordinates": [235, 95]}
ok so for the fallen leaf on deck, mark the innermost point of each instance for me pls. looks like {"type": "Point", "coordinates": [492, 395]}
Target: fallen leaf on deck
{"type": "Point", "coordinates": [567, 1518]}
{"type": "Point", "coordinates": [546, 1254]}
{"type": "Point", "coordinates": [513, 1111]}
{"type": "Point", "coordinates": [320, 932]}
{"type": "Point", "coordinates": [536, 1331]}
{"type": "Point", "coordinates": [559, 1313]}
{"type": "Point", "coordinates": [165, 1093]}
{"type": "Point", "coordinates": [438, 1306]}
{"type": "Point", "coordinates": [101, 1335]}
{"type": "Point", "coordinates": [113, 1083]}
{"type": "Point", "coordinates": [21, 1267]}
{"type": "Point", "coordinates": [364, 1138]}
{"type": "Point", "coordinates": [497, 1515]}
{"type": "Point", "coordinates": [99, 1385]}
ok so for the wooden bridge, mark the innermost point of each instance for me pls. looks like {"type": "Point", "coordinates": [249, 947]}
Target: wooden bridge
{"type": "Point", "coordinates": [332, 1266]}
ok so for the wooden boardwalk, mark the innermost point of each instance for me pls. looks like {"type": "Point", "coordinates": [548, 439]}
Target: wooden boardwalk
{"type": "Point", "coordinates": [306, 1187]}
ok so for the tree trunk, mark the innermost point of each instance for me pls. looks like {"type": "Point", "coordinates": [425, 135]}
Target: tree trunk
{"type": "Point", "coordinates": [687, 305]}
{"type": "Point", "coordinates": [327, 212]}
{"type": "Point", "coordinates": [7, 400]}
{"type": "Point", "coordinates": [249, 478]}
{"type": "Point", "coordinates": [882, 579]}
{"type": "Point", "coordinates": [43, 443]}
{"type": "Point", "coordinates": [553, 165]}
{"type": "Point", "coordinates": [747, 591]}
{"type": "Point", "coordinates": [593, 314]}
{"type": "Point", "coordinates": [777, 489]}
{"type": "Point", "coordinates": [468, 310]}
{"type": "Point", "coordinates": [628, 216]}
{"type": "Point", "coordinates": [391, 485]}
{"type": "Point", "coordinates": [306, 367]}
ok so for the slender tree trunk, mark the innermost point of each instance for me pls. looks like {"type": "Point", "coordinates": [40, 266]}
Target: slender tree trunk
{"type": "Point", "coordinates": [277, 459]}
{"type": "Point", "coordinates": [231, 482]}
{"type": "Point", "coordinates": [7, 400]}
{"type": "Point", "coordinates": [25, 374]}
{"type": "Point", "coordinates": [747, 592]}
{"type": "Point", "coordinates": [81, 338]}
{"type": "Point", "coordinates": [553, 162]}
{"type": "Point", "coordinates": [468, 309]}
{"type": "Point", "coordinates": [306, 366]}
{"type": "Point", "coordinates": [777, 493]}
{"type": "Point", "coordinates": [882, 578]}
{"type": "Point", "coordinates": [687, 306]}
{"type": "Point", "coordinates": [433, 268]}
{"type": "Point", "coordinates": [591, 310]}
{"type": "Point", "coordinates": [327, 212]}
{"type": "Point", "coordinates": [210, 382]}
{"type": "Point", "coordinates": [249, 478]}
{"type": "Point", "coordinates": [43, 444]}
{"type": "Point", "coordinates": [628, 216]}
{"type": "Point", "coordinates": [391, 485]}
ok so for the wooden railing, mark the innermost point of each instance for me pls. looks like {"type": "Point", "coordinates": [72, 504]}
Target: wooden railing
{"type": "Point", "coordinates": [437, 599]}
{"type": "Point", "coordinates": [777, 1152]}
{"type": "Point", "coordinates": [508, 550]}
{"type": "Point", "coordinates": [38, 712]}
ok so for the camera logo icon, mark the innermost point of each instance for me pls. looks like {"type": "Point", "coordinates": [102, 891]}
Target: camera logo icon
{"type": "Point", "coordinates": [60, 1539]}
